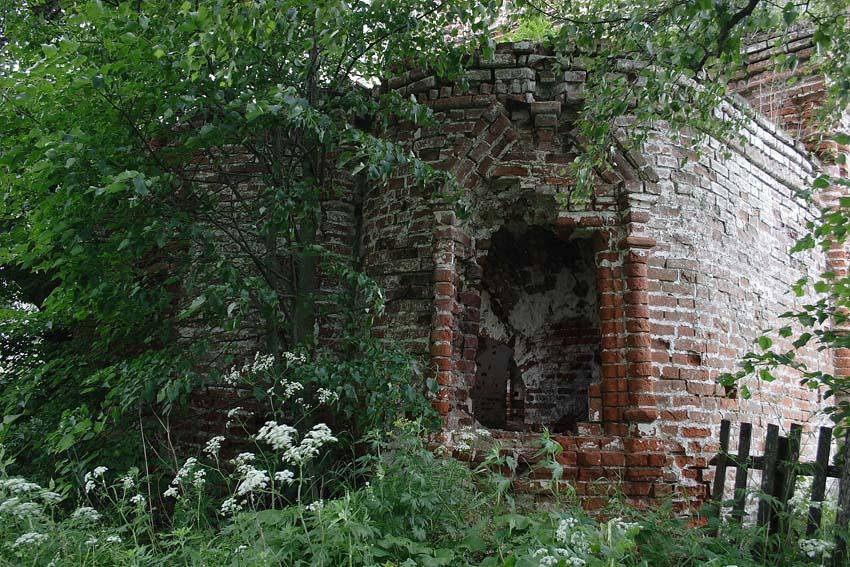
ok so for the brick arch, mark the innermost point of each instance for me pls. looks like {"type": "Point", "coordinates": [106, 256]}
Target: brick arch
{"type": "Point", "coordinates": [624, 395]}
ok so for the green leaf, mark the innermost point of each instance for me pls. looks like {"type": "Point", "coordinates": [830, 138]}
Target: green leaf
{"type": "Point", "coordinates": [765, 342]}
{"type": "Point", "coordinates": [140, 185]}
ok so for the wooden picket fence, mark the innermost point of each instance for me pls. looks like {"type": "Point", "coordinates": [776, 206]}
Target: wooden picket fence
{"type": "Point", "coordinates": [780, 465]}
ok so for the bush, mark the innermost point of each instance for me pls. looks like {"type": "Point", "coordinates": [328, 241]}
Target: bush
{"type": "Point", "coordinates": [403, 504]}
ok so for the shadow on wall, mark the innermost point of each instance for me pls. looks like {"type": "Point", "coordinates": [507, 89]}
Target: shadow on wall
{"type": "Point", "coordinates": [539, 339]}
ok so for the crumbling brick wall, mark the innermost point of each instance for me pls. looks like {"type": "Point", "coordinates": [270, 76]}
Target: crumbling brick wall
{"type": "Point", "coordinates": [690, 257]}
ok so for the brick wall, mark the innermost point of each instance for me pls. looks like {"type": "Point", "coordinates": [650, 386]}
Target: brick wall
{"type": "Point", "coordinates": [690, 263]}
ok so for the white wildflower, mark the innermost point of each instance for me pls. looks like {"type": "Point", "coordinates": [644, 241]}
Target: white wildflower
{"type": "Point", "coordinates": [171, 492]}
{"type": "Point", "coordinates": [230, 506]}
{"type": "Point", "coordinates": [253, 479]}
{"type": "Point", "coordinates": [315, 506]}
{"type": "Point", "coordinates": [185, 470]}
{"type": "Point", "coordinates": [624, 525]}
{"type": "Point", "coordinates": [90, 477]}
{"type": "Point", "coordinates": [18, 485]}
{"type": "Point", "coordinates": [289, 389]}
{"type": "Point", "coordinates": [213, 446]}
{"type": "Point", "coordinates": [128, 482]}
{"type": "Point", "coordinates": [565, 526]}
{"type": "Point", "coordinates": [137, 499]}
{"type": "Point", "coordinates": [279, 436]}
{"type": "Point", "coordinates": [235, 412]}
{"type": "Point", "coordinates": [311, 443]}
{"type": "Point", "coordinates": [817, 547]}
{"type": "Point", "coordinates": [30, 538]}
{"type": "Point", "coordinates": [86, 514]}
{"type": "Point", "coordinates": [262, 363]}
{"type": "Point", "coordinates": [295, 359]}
{"type": "Point", "coordinates": [232, 377]}
{"type": "Point", "coordinates": [91, 541]}
{"type": "Point", "coordinates": [286, 476]}
{"type": "Point", "coordinates": [240, 548]}
{"type": "Point", "coordinates": [51, 497]}
{"type": "Point", "coordinates": [242, 459]}
{"type": "Point", "coordinates": [326, 396]}
{"type": "Point", "coordinates": [21, 509]}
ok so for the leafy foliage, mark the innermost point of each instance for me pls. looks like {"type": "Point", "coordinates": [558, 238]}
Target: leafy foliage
{"type": "Point", "coordinates": [163, 172]}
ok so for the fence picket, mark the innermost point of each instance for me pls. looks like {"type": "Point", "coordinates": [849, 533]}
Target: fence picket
{"type": "Point", "coordinates": [840, 556]}
{"type": "Point", "coordinates": [744, 441]}
{"type": "Point", "coordinates": [720, 467]}
{"type": "Point", "coordinates": [768, 477]}
{"type": "Point", "coordinates": [819, 481]}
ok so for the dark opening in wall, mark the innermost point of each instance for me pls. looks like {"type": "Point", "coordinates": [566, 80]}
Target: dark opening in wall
{"type": "Point", "coordinates": [538, 348]}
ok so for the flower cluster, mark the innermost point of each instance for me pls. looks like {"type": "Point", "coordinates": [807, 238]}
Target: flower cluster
{"type": "Point", "coordinates": [90, 478]}
{"type": "Point", "coordinates": [19, 488]}
{"type": "Point", "coordinates": [279, 436]}
{"type": "Point", "coordinates": [18, 485]}
{"type": "Point", "coordinates": [326, 396]}
{"type": "Point", "coordinates": [464, 439]}
{"type": "Point", "coordinates": [253, 479]}
{"type": "Point", "coordinates": [282, 438]}
{"type": "Point", "coordinates": [573, 539]}
{"type": "Point", "coordinates": [295, 359]}
{"type": "Point", "coordinates": [30, 538]}
{"type": "Point", "coordinates": [213, 446]}
{"type": "Point", "coordinates": [20, 509]}
{"type": "Point", "coordinates": [285, 476]}
{"type": "Point", "coordinates": [86, 514]}
{"type": "Point", "coordinates": [261, 363]}
{"type": "Point", "coordinates": [817, 547]}
{"type": "Point", "coordinates": [316, 506]}
{"type": "Point", "coordinates": [309, 447]}
{"type": "Point", "coordinates": [557, 556]}
{"type": "Point", "coordinates": [189, 473]}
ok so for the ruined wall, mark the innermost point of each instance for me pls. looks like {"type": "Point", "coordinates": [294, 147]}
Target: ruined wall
{"type": "Point", "coordinates": [720, 275]}
{"type": "Point", "coordinates": [687, 255]}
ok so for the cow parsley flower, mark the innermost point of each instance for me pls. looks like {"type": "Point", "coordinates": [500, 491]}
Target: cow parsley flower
{"type": "Point", "coordinates": [213, 446]}
{"type": "Point", "coordinates": [279, 436]}
{"type": "Point", "coordinates": [18, 485]}
{"type": "Point", "coordinates": [295, 359]}
{"type": "Point", "coordinates": [242, 459]}
{"type": "Point", "coordinates": [286, 476]}
{"type": "Point", "coordinates": [230, 506]}
{"type": "Point", "coordinates": [128, 482]}
{"type": "Point", "coordinates": [20, 509]}
{"type": "Point", "coordinates": [815, 547]}
{"type": "Point", "coordinates": [311, 443]}
{"type": "Point", "coordinates": [90, 478]}
{"type": "Point", "coordinates": [114, 538]}
{"type": "Point", "coordinates": [137, 499]}
{"type": "Point", "coordinates": [171, 492]}
{"type": "Point", "coordinates": [30, 538]}
{"type": "Point", "coordinates": [316, 506]}
{"type": "Point", "coordinates": [326, 396]}
{"type": "Point", "coordinates": [564, 528]}
{"type": "Point", "coordinates": [252, 480]}
{"type": "Point", "coordinates": [86, 514]}
{"type": "Point", "coordinates": [50, 497]}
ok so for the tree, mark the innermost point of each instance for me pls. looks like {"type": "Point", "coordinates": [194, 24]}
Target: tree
{"type": "Point", "coordinates": [161, 169]}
